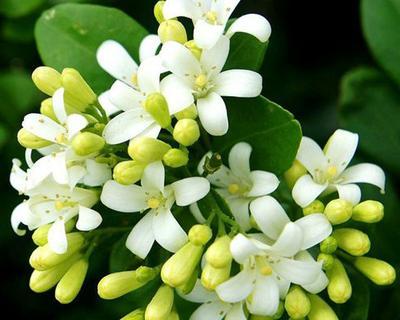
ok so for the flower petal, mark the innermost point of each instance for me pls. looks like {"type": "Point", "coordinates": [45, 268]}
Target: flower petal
{"type": "Point", "coordinates": [180, 8]}
{"type": "Point", "coordinates": [221, 178]}
{"type": "Point", "coordinates": [153, 177]}
{"type": "Point", "coordinates": [322, 280]}
{"type": "Point", "coordinates": [240, 210]}
{"type": "Point", "coordinates": [141, 238]}
{"type": "Point", "coordinates": [206, 35]}
{"type": "Point", "coordinates": [195, 211]}
{"type": "Point", "coordinates": [311, 156]}
{"type": "Point", "coordinates": [43, 126]}
{"type": "Point", "coordinates": [18, 177]}
{"type": "Point", "coordinates": [97, 173]}
{"type": "Point", "coordinates": [149, 75]}
{"type": "Point", "coordinates": [199, 294]}
{"type": "Point", "coordinates": [253, 24]}
{"type": "Point", "coordinates": [211, 311]}
{"type": "Point", "coordinates": [263, 183]}
{"type": "Point", "coordinates": [75, 123]}
{"type": "Point", "coordinates": [299, 272]}
{"type": "Point", "coordinates": [265, 297]}
{"type": "Point", "coordinates": [107, 105]}
{"type": "Point", "coordinates": [238, 83]}
{"type": "Point", "coordinates": [149, 46]}
{"type": "Point", "coordinates": [349, 192]}
{"type": "Point", "coordinates": [306, 190]}
{"type": "Point", "coordinates": [242, 248]}
{"type": "Point", "coordinates": [236, 313]}
{"type": "Point", "coordinates": [152, 131]}
{"type": "Point", "coordinates": [365, 173]}
{"type": "Point", "coordinates": [57, 238]}
{"type": "Point", "coordinates": [315, 227]}
{"type": "Point", "coordinates": [123, 198]}
{"type": "Point", "coordinates": [190, 190]}
{"type": "Point", "coordinates": [239, 159]}
{"type": "Point", "coordinates": [88, 219]}
{"type": "Point", "coordinates": [238, 287]}
{"type": "Point", "coordinates": [125, 97]}
{"type": "Point", "coordinates": [213, 60]}
{"type": "Point", "coordinates": [58, 105]}
{"type": "Point", "coordinates": [59, 167]}
{"type": "Point", "coordinates": [17, 216]}
{"type": "Point", "coordinates": [177, 93]}
{"type": "Point", "coordinates": [289, 241]}
{"type": "Point", "coordinates": [75, 174]}
{"type": "Point", "coordinates": [213, 114]}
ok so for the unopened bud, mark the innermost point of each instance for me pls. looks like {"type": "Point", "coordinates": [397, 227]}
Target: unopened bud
{"type": "Point", "coordinates": [43, 258]}
{"type": "Point", "coordinates": [196, 51]}
{"type": "Point", "coordinates": [352, 241]}
{"type": "Point", "coordinates": [30, 141]}
{"type": "Point", "coordinates": [369, 211]}
{"type": "Point", "coordinates": [187, 113]}
{"type": "Point", "coordinates": [339, 287]}
{"type": "Point", "coordinates": [255, 317]}
{"type": "Point", "coordinates": [338, 211]}
{"type": "Point", "coordinates": [314, 207]}
{"type": "Point", "coordinates": [161, 305]}
{"type": "Point", "coordinates": [297, 303]}
{"type": "Point", "coordinates": [188, 286]}
{"type": "Point", "coordinates": [219, 253]}
{"type": "Point", "coordinates": [186, 132]}
{"type": "Point", "coordinates": [320, 310]}
{"type": "Point", "coordinates": [200, 234]}
{"type": "Point", "coordinates": [378, 271]}
{"type": "Point", "coordinates": [147, 150]}
{"type": "Point", "coordinates": [329, 245]}
{"type": "Point", "coordinates": [47, 80]}
{"type": "Point", "coordinates": [39, 236]}
{"type": "Point", "coordinates": [137, 314]}
{"type": "Point", "coordinates": [128, 172]}
{"type": "Point", "coordinates": [77, 92]}
{"type": "Point", "coordinates": [71, 283]}
{"type": "Point", "coordinates": [172, 30]}
{"type": "Point", "coordinates": [327, 260]}
{"type": "Point", "coordinates": [173, 315]}
{"type": "Point", "coordinates": [212, 277]}
{"type": "Point", "coordinates": [158, 11]}
{"type": "Point", "coordinates": [86, 143]}
{"type": "Point", "coordinates": [46, 108]}
{"type": "Point", "coordinates": [157, 106]}
{"type": "Point", "coordinates": [296, 171]}
{"type": "Point", "coordinates": [176, 158]}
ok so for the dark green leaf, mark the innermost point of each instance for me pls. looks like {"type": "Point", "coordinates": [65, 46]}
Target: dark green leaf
{"type": "Point", "coordinates": [3, 135]}
{"type": "Point", "coordinates": [19, 30]}
{"type": "Point", "coordinates": [121, 259]}
{"type": "Point", "coordinates": [381, 24]}
{"type": "Point", "coordinates": [370, 106]}
{"type": "Point", "coordinates": [19, 8]}
{"type": "Point", "coordinates": [272, 131]}
{"type": "Point", "coordinates": [68, 35]}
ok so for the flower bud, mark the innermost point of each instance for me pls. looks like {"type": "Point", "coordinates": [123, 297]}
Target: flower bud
{"type": "Point", "coordinates": [86, 143]}
{"type": "Point", "coordinates": [173, 315]}
{"type": "Point", "coordinates": [147, 150]}
{"type": "Point", "coordinates": [296, 171]}
{"type": "Point", "coordinates": [77, 92]}
{"type": "Point", "coordinates": [137, 314]}
{"type": "Point", "coordinates": [176, 158]}
{"type": "Point", "coordinates": [161, 305]}
{"type": "Point", "coordinates": [157, 106]}
{"type": "Point", "coordinates": [378, 271]}
{"type": "Point", "coordinates": [128, 172]}
{"type": "Point", "coordinates": [297, 303]}
{"type": "Point", "coordinates": [219, 253]}
{"type": "Point", "coordinates": [326, 259]}
{"type": "Point", "coordinates": [368, 211]}
{"type": "Point", "coordinates": [352, 241]}
{"type": "Point", "coordinates": [329, 245]}
{"type": "Point", "coordinates": [118, 284]}
{"type": "Point", "coordinates": [47, 80]}
{"type": "Point", "coordinates": [339, 287]}
{"type": "Point", "coordinates": [158, 11]}
{"type": "Point", "coordinates": [188, 286]}
{"type": "Point", "coordinates": [30, 141]}
{"type": "Point", "coordinates": [255, 317]}
{"type": "Point", "coordinates": [186, 132]}
{"type": "Point", "coordinates": [46, 108]}
{"type": "Point", "coordinates": [179, 268]}
{"type": "Point", "coordinates": [172, 30]}
{"type": "Point", "coordinates": [187, 113]}
{"type": "Point", "coordinates": [71, 283]}
{"type": "Point", "coordinates": [314, 207]}
{"type": "Point", "coordinates": [196, 51]}
{"type": "Point", "coordinates": [200, 234]}
{"type": "Point", "coordinates": [320, 310]}
{"type": "Point", "coordinates": [212, 277]}
{"type": "Point", "coordinates": [43, 258]}
{"type": "Point", "coordinates": [338, 211]}
{"type": "Point", "coordinates": [39, 237]}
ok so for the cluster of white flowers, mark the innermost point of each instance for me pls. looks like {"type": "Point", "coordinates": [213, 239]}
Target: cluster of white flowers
{"type": "Point", "coordinates": [158, 110]}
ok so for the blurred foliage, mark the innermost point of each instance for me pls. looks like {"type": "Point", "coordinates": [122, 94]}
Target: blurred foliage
{"type": "Point", "coordinates": [313, 45]}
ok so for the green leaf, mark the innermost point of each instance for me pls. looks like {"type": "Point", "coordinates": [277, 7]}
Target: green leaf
{"type": "Point", "coordinates": [381, 24]}
{"type": "Point", "coordinates": [19, 8]}
{"type": "Point", "coordinates": [68, 35]}
{"type": "Point", "coordinates": [18, 30]}
{"type": "Point", "coordinates": [370, 106]}
{"type": "Point", "coordinates": [271, 130]}
{"type": "Point", "coordinates": [121, 259]}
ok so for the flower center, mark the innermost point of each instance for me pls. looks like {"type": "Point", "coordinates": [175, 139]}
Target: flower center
{"type": "Point", "coordinates": [212, 17]}
{"type": "Point", "coordinates": [59, 205]}
{"type": "Point", "coordinates": [134, 79]}
{"type": "Point", "coordinates": [263, 266]}
{"type": "Point", "coordinates": [201, 81]}
{"type": "Point", "coordinates": [61, 138]}
{"type": "Point", "coordinates": [233, 188]}
{"type": "Point", "coordinates": [153, 202]}
{"type": "Point", "coordinates": [331, 172]}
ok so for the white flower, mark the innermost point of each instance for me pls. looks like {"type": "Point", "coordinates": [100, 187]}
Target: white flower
{"type": "Point", "coordinates": [328, 173]}
{"type": "Point", "coordinates": [210, 19]}
{"type": "Point", "coordinates": [212, 307]}
{"type": "Point", "coordinates": [50, 202]}
{"type": "Point", "coordinates": [206, 81]}
{"type": "Point", "coordinates": [158, 224]}
{"type": "Point", "coordinates": [59, 159]}
{"type": "Point", "coordinates": [238, 185]}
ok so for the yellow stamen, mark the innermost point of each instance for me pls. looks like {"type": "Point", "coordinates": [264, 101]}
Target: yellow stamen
{"type": "Point", "coordinates": [233, 188]}
{"type": "Point", "coordinates": [263, 266]}
{"type": "Point", "coordinates": [201, 80]}
{"type": "Point", "coordinates": [212, 17]}
{"type": "Point", "coordinates": [61, 138]}
{"type": "Point", "coordinates": [134, 79]}
{"type": "Point", "coordinates": [59, 205]}
{"type": "Point", "coordinates": [153, 203]}
{"type": "Point", "coordinates": [331, 172]}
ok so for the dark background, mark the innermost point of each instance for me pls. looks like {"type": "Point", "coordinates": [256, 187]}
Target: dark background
{"type": "Point", "coordinates": [313, 44]}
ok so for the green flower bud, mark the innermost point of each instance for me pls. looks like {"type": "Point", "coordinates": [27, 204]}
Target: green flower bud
{"type": "Point", "coordinates": [338, 211]}
{"type": "Point", "coordinates": [219, 253]}
{"type": "Point", "coordinates": [187, 113]}
{"type": "Point", "coordinates": [128, 172]}
{"type": "Point", "coordinates": [186, 132]}
{"type": "Point", "coordinates": [297, 303]}
{"type": "Point", "coordinates": [255, 317]}
{"type": "Point", "coordinates": [378, 271]}
{"type": "Point", "coordinates": [147, 150]}
{"type": "Point", "coordinates": [196, 51]}
{"type": "Point", "coordinates": [352, 241]}
{"type": "Point", "coordinates": [368, 211]}
{"type": "Point", "coordinates": [314, 207]}
{"type": "Point", "coordinates": [279, 312]}
{"type": "Point", "coordinates": [296, 171]}
{"type": "Point", "coordinates": [161, 305]}
{"type": "Point", "coordinates": [39, 237]}
{"type": "Point", "coordinates": [173, 315]}
{"type": "Point", "coordinates": [188, 286]}
{"type": "Point", "coordinates": [200, 234]}
{"type": "Point", "coordinates": [158, 11]}
{"type": "Point", "coordinates": [339, 287]}
{"type": "Point", "coordinates": [172, 30]}
{"type": "Point", "coordinates": [46, 108]}
{"type": "Point", "coordinates": [179, 268]}
{"type": "Point", "coordinates": [47, 80]}
{"type": "Point", "coordinates": [320, 310]}
{"type": "Point", "coordinates": [118, 284]}
{"type": "Point", "coordinates": [71, 283]}
{"type": "Point", "coordinates": [157, 106]}
{"type": "Point", "coordinates": [326, 259]}
{"type": "Point", "coordinates": [137, 314]}
{"type": "Point", "coordinates": [212, 277]}
{"type": "Point", "coordinates": [329, 245]}
{"type": "Point", "coordinates": [43, 258]}
{"type": "Point", "coordinates": [30, 141]}
{"type": "Point", "coordinates": [176, 158]}
{"type": "Point", "coordinates": [86, 143]}
{"type": "Point", "coordinates": [77, 92]}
